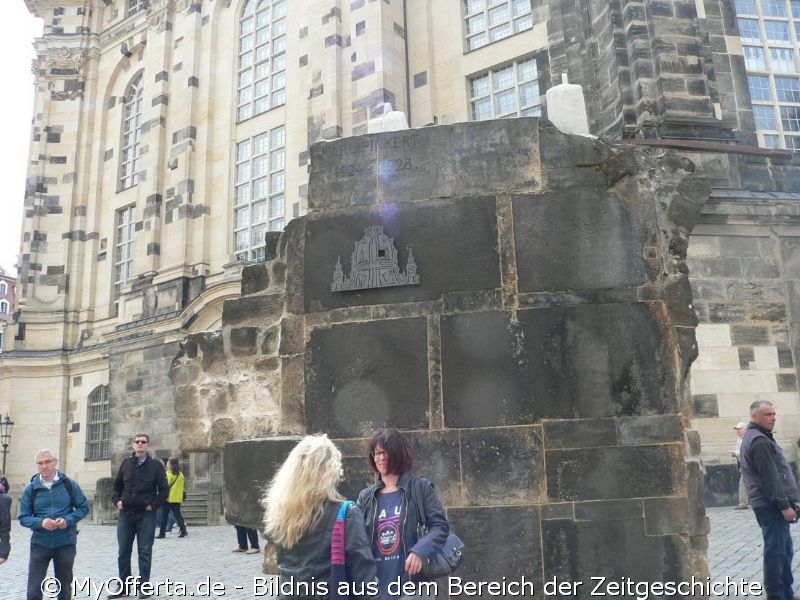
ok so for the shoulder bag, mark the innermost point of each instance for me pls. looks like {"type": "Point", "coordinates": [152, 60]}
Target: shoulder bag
{"type": "Point", "coordinates": [446, 559]}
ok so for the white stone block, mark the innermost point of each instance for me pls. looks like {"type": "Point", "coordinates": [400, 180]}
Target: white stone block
{"type": "Point", "coordinates": [756, 382]}
{"type": "Point", "coordinates": [704, 361]}
{"type": "Point", "coordinates": [714, 382]}
{"type": "Point", "coordinates": [766, 357]}
{"type": "Point", "coordinates": [735, 407]}
{"type": "Point", "coordinates": [713, 335]}
{"type": "Point", "coordinates": [725, 358]}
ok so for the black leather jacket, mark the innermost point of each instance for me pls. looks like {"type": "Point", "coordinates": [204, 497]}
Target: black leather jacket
{"type": "Point", "coordinates": [438, 528]}
{"type": "Point", "coordinates": [310, 557]}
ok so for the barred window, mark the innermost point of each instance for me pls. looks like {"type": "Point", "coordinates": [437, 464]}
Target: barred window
{"type": "Point", "coordinates": [3, 308]}
{"type": "Point", "coordinates": [487, 21]}
{"type": "Point", "coordinates": [130, 148]}
{"type": "Point", "coordinates": [262, 59]}
{"type": "Point", "coordinates": [509, 91]}
{"type": "Point", "coordinates": [97, 419]}
{"type": "Point", "coordinates": [771, 140]}
{"type": "Point", "coordinates": [260, 192]}
{"type": "Point", "coordinates": [793, 142]}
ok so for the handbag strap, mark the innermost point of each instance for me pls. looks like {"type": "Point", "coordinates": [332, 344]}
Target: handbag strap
{"type": "Point", "coordinates": [416, 486]}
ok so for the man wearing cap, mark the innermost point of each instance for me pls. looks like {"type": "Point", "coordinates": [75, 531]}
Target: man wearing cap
{"type": "Point", "coordinates": [740, 428]}
{"type": "Point", "coordinates": [772, 491]}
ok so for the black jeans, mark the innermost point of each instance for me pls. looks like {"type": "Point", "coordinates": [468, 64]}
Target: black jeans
{"type": "Point", "coordinates": [63, 558]}
{"type": "Point", "coordinates": [243, 534]}
{"type": "Point", "coordinates": [175, 509]}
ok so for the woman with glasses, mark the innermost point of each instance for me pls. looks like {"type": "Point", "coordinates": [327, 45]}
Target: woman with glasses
{"type": "Point", "coordinates": [399, 546]}
{"type": "Point", "coordinates": [301, 506]}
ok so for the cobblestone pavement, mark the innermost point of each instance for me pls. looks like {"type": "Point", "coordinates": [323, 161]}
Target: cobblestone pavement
{"type": "Point", "coordinates": [205, 559]}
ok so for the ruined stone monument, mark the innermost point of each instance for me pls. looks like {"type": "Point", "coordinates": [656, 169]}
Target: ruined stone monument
{"type": "Point", "coordinates": [537, 360]}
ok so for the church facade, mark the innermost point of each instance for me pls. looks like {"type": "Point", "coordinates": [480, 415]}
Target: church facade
{"type": "Point", "coordinates": [169, 138]}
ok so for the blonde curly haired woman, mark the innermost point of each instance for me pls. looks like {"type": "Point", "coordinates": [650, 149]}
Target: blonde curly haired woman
{"type": "Point", "coordinates": [301, 504]}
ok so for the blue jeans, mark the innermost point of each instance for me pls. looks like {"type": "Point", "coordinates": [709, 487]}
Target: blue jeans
{"type": "Point", "coordinates": [142, 526]}
{"type": "Point", "coordinates": [777, 553]}
{"type": "Point", "coordinates": [63, 558]}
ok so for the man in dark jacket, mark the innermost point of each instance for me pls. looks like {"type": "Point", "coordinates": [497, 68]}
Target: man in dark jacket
{"type": "Point", "coordinates": [139, 489]}
{"type": "Point", "coordinates": [772, 491]}
{"type": "Point", "coordinates": [51, 506]}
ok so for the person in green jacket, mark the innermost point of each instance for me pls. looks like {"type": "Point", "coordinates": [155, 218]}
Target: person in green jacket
{"type": "Point", "coordinates": [177, 485]}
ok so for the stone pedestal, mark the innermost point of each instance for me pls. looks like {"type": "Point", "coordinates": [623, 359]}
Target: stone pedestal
{"type": "Point", "coordinates": [538, 364]}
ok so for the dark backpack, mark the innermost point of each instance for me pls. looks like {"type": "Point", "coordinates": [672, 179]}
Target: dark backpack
{"type": "Point", "coordinates": [67, 484]}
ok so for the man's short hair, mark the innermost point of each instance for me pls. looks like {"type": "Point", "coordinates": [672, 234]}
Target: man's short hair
{"type": "Point", "coordinates": [142, 435]}
{"type": "Point", "coordinates": [44, 451]}
{"type": "Point", "coordinates": [758, 404]}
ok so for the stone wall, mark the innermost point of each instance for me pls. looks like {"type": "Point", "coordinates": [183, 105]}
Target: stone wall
{"type": "Point", "coordinates": [743, 265]}
{"type": "Point", "coordinates": [540, 365]}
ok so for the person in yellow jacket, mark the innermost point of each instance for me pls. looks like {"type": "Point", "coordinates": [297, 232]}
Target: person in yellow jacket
{"type": "Point", "coordinates": [177, 483]}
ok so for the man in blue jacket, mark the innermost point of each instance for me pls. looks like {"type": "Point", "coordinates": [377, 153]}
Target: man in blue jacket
{"type": "Point", "coordinates": [51, 506]}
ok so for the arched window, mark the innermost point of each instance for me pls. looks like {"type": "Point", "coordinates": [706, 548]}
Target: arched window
{"type": "Point", "coordinates": [261, 74]}
{"type": "Point", "coordinates": [130, 148]}
{"type": "Point", "coordinates": [3, 308]}
{"type": "Point", "coordinates": [3, 287]}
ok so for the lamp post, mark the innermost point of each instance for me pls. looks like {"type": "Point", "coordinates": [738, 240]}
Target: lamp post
{"type": "Point", "coordinates": [5, 437]}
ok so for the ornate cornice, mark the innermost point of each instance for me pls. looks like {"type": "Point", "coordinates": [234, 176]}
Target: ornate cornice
{"type": "Point", "coordinates": [57, 59]}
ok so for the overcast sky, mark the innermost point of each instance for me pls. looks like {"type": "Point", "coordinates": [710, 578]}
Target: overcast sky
{"type": "Point", "coordinates": [16, 109]}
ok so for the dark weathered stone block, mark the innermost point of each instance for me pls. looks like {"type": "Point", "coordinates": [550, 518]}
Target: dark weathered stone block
{"type": "Point", "coordinates": [570, 553]}
{"type": "Point", "coordinates": [403, 166]}
{"type": "Point", "coordinates": [437, 456]}
{"type": "Point", "coordinates": [553, 232]}
{"type": "Point", "coordinates": [664, 516]}
{"type": "Point", "coordinates": [608, 510]}
{"type": "Point", "coordinates": [255, 278]}
{"type": "Point", "coordinates": [584, 364]}
{"type": "Point", "coordinates": [243, 341]}
{"type": "Point", "coordinates": [489, 386]}
{"type": "Point", "coordinates": [252, 309]}
{"type": "Point", "coordinates": [750, 335]}
{"type": "Point", "coordinates": [705, 405]}
{"type": "Point", "coordinates": [655, 429]}
{"type": "Point", "coordinates": [502, 466]}
{"type": "Point", "coordinates": [493, 553]}
{"type": "Point", "coordinates": [608, 473]}
{"type": "Point", "coordinates": [376, 372]}
{"type": "Point", "coordinates": [248, 466]}
{"type": "Point", "coordinates": [454, 245]}
{"type": "Point", "coordinates": [583, 433]}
